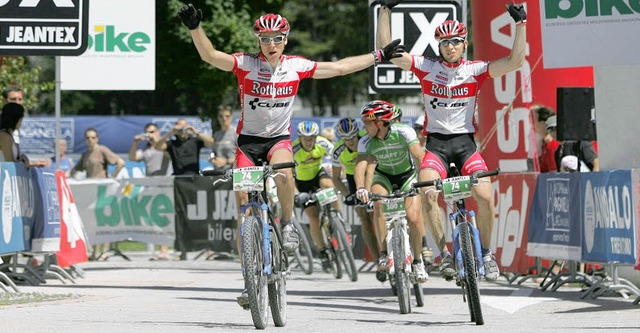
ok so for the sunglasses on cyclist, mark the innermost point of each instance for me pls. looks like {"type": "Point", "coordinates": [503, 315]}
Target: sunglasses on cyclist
{"type": "Point", "coordinates": [452, 41]}
{"type": "Point", "coordinates": [275, 40]}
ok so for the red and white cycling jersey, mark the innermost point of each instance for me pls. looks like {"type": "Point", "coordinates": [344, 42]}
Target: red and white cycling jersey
{"type": "Point", "coordinates": [266, 94]}
{"type": "Point", "coordinates": [449, 93]}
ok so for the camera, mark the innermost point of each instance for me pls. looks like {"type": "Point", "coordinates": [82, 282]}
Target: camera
{"type": "Point", "coordinates": [145, 136]}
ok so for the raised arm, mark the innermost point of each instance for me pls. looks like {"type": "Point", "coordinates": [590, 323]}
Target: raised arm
{"type": "Point", "coordinates": [516, 57]}
{"type": "Point", "coordinates": [191, 18]}
{"type": "Point", "coordinates": [383, 33]}
{"type": "Point", "coordinates": [349, 65]}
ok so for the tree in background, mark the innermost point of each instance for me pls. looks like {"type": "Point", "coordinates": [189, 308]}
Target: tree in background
{"type": "Point", "coordinates": [18, 72]}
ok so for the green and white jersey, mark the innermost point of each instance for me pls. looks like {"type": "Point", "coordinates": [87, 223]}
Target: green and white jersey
{"type": "Point", "coordinates": [342, 155]}
{"type": "Point", "coordinates": [310, 162]}
{"type": "Point", "coordinates": [392, 152]}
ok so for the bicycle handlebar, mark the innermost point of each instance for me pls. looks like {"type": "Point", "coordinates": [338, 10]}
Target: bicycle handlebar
{"type": "Point", "coordinates": [395, 194]}
{"type": "Point", "coordinates": [474, 177]}
{"type": "Point", "coordinates": [228, 172]}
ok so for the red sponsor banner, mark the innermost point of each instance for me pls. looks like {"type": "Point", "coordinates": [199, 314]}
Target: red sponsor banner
{"type": "Point", "coordinates": [73, 248]}
{"type": "Point", "coordinates": [512, 197]}
{"type": "Point", "coordinates": [506, 145]}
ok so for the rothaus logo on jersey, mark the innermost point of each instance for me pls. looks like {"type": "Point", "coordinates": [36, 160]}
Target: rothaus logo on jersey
{"type": "Point", "coordinates": [449, 92]}
{"type": "Point", "coordinates": [436, 104]}
{"type": "Point", "coordinates": [272, 90]}
{"type": "Point", "coordinates": [257, 103]}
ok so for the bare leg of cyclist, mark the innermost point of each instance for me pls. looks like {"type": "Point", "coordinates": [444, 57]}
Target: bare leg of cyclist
{"type": "Point", "coordinates": [381, 233]}
{"type": "Point", "coordinates": [482, 193]}
{"type": "Point", "coordinates": [286, 193]}
{"type": "Point", "coordinates": [416, 232]}
{"type": "Point", "coordinates": [368, 233]}
{"type": "Point", "coordinates": [435, 223]}
{"type": "Point", "coordinates": [312, 213]}
{"type": "Point", "coordinates": [241, 199]}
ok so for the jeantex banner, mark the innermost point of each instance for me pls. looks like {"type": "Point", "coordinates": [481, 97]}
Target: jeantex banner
{"type": "Point", "coordinates": [585, 32]}
{"type": "Point", "coordinates": [121, 52]}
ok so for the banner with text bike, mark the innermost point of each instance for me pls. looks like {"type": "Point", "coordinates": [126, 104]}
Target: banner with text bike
{"type": "Point", "coordinates": [138, 209]}
{"type": "Point", "coordinates": [205, 217]}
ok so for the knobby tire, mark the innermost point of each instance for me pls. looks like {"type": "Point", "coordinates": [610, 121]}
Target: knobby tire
{"type": "Point", "coordinates": [303, 254]}
{"type": "Point", "coordinates": [402, 281]}
{"type": "Point", "coordinates": [254, 278]}
{"type": "Point", "coordinates": [345, 254]}
{"type": "Point", "coordinates": [278, 284]}
{"type": "Point", "coordinates": [471, 273]}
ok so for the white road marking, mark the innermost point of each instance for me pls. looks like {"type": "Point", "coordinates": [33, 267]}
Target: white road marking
{"type": "Point", "coordinates": [511, 304]}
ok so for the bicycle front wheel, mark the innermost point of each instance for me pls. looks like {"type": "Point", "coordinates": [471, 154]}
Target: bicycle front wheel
{"type": "Point", "coordinates": [255, 280]}
{"type": "Point", "coordinates": [278, 283]}
{"type": "Point", "coordinates": [470, 281]}
{"type": "Point", "coordinates": [303, 254]}
{"type": "Point", "coordinates": [343, 250]}
{"type": "Point", "coordinates": [402, 279]}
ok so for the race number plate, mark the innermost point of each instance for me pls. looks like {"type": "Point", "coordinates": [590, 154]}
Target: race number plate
{"type": "Point", "coordinates": [326, 196]}
{"type": "Point", "coordinates": [393, 208]}
{"type": "Point", "coordinates": [456, 188]}
{"type": "Point", "coordinates": [248, 179]}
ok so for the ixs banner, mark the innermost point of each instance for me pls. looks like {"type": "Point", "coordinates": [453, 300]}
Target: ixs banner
{"type": "Point", "coordinates": [506, 134]}
{"type": "Point", "coordinates": [205, 218]}
{"type": "Point", "coordinates": [555, 219]}
{"type": "Point", "coordinates": [73, 240]}
{"type": "Point", "coordinates": [138, 209]}
{"type": "Point", "coordinates": [17, 198]}
{"type": "Point", "coordinates": [609, 217]}
{"type": "Point", "coordinates": [121, 49]}
{"type": "Point", "coordinates": [583, 32]}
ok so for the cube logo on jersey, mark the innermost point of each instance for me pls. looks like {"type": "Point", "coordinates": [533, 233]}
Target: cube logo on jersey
{"type": "Point", "coordinates": [43, 27]}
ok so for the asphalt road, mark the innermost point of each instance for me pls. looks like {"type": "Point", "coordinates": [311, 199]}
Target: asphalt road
{"type": "Point", "coordinates": [199, 295]}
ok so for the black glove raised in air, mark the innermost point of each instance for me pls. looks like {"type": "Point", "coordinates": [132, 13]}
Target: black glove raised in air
{"type": "Point", "coordinates": [190, 16]}
{"type": "Point", "coordinates": [392, 50]}
{"type": "Point", "coordinates": [517, 12]}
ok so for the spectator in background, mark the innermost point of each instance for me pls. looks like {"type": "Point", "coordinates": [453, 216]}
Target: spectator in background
{"type": "Point", "coordinates": [10, 121]}
{"type": "Point", "coordinates": [184, 150]}
{"type": "Point", "coordinates": [14, 95]}
{"type": "Point", "coordinates": [329, 134]}
{"type": "Point", "coordinates": [66, 163]}
{"type": "Point", "coordinates": [95, 161]}
{"type": "Point", "coordinates": [418, 126]}
{"type": "Point", "coordinates": [224, 140]}
{"type": "Point", "coordinates": [156, 164]}
{"type": "Point", "coordinates": [549, 141]}
{"type": "Point", "coordinates": [583, 155]}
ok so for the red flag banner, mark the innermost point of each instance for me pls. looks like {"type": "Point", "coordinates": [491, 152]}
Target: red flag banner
{"type": "Point", "coordinates": [73, 245]}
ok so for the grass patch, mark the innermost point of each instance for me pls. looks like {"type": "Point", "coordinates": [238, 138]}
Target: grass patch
{"type": "Point", "coordinates": [28, 298]}
{"type": "Point", "coordinates": [129, 246]}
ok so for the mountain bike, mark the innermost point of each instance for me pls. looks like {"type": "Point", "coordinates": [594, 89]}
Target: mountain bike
{"type": "Point", "coordinates": [303, 256]}
{"type": "Point", "coordinates": [336, 239]}
{"type": "Point", "coordinates": [466, 237]}
{"type": "Point", "coordinates": [265, 265]}
{"type": "Point", "coordinates": [402, 276]}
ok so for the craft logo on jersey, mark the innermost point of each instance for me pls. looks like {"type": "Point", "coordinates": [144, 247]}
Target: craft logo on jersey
{"type": "Point", "coordinates": [257, 103]}
{"type": "Point", "coordinates": [43, 27]}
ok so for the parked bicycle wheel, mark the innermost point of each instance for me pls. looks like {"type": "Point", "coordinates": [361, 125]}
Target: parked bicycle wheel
{"type": "Point", "coordinates": [402, 280]}
{"type": "Point", "coordinates": [471, 274]}
{"type": "Point", "coordinates": [254, 278]}
{"type": "Point", "coordinates": [278, 283]}
{"type": "Point", "coordinates": [303, 255]}
{"type": "Point", "coordinates": [343, 249]}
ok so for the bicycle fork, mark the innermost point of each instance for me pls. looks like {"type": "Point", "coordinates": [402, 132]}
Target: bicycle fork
{"type": "Point", "coordinates": [266, 234]}
{"type": "Point", "coordinates": [475, 236]}
{"type": "Point", "coordinates": [398, 225]}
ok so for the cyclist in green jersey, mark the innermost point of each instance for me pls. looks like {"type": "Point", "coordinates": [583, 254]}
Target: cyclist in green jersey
{"type": "Point", "coordinates": [385, 147]}
{"type": "Point", "coordinates": [344, 154]}
{"type": "Point", "coordinates": [308, 151]}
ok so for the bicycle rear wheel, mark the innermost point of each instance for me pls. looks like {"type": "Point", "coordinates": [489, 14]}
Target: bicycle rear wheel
{"type": "Point", "coordinates": [278, 284]}
{"type": "Point", "coordinates": [303, 254]}
{"type": "Point", "coordinates": [255, 280]}
{"type": "Point", "coordinates": [331, 244]}
{"type": "Point", "coordinates": [471, 273]}
{"type": "Point", "coordinates": [343, 249]}
{"type": "Point", "coordinates": [402, 279]}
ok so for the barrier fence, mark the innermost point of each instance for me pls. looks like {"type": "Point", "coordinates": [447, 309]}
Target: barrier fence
{"type": "Point", "coordinates": [588, 217]}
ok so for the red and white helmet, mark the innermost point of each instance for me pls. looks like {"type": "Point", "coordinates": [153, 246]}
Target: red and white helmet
{"type": "Point", "coordinates": [271, 23]}
{"type": "Point", "coordinates": [449, 29]}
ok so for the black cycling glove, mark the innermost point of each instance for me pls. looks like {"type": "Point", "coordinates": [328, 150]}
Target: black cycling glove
{"type": "Point", "coordinates": [389, 3]}
{"type": "Point", "coordinates": [392, 50]}
{"type": "Point", "coordinates": [190, 16]}
{"type": "Point", "coordinates": [517, 12]}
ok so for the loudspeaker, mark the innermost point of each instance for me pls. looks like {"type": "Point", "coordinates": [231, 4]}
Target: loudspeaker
{"type": "Point", "coordinates": [576, 114]}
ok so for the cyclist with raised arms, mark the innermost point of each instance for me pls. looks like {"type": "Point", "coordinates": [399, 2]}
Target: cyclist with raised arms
{"type": "Point", "coordinates": [344, 155]}
{"type": "Point", "coordinates": [268, 83]}
{"type": "Point", "coordinates": [385, 146]}
{"type": "Point", "coordinates": [450, 87]}
{"type": "Point", "coordinates": [309, 149]}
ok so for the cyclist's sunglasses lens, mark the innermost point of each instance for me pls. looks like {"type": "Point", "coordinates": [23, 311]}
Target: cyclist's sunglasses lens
{"type": "Point", "coordinates": [276, 40]}
{"type": "Point", "coordinates": [452, 41]}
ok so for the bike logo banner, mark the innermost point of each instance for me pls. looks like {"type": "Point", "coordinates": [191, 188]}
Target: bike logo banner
{"type": "Point", "coordinates": [44, 27]}
{"type": "Point", "coordinates": [414, 22]}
